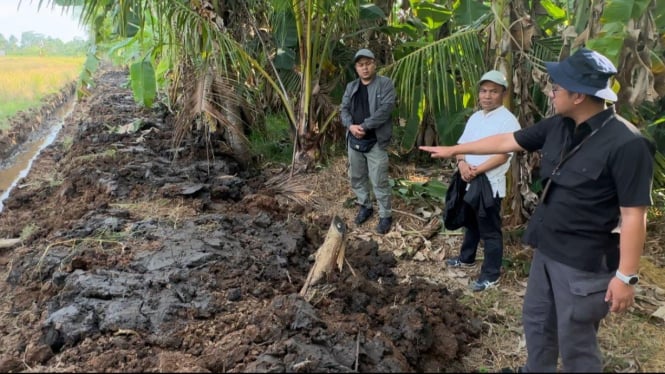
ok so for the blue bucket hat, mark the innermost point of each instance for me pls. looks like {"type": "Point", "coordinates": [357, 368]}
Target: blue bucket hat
{"type": "Point", "coordinates": [586, 72]}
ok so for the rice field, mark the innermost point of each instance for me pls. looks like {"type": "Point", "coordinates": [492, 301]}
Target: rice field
{"type": "Point", "coordinates": [25, 80]}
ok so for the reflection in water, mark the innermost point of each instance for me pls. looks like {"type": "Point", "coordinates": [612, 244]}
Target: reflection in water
{"type": "Point", "coordinates": [20, 164]}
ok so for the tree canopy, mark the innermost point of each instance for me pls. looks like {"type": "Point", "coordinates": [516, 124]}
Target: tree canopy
{"type": "Point", "coordinates": [32, 43]}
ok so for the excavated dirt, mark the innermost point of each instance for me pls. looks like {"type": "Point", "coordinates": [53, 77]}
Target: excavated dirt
{"type": "Point", "coordinates": [133, 260]}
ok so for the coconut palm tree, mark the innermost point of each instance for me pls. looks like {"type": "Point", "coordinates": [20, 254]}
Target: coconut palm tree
{"type": "Point", "coordinates": [214, 50]}
{"type": "Point", "coordinates": [217, 52]}
{"type": "Point", "coordinates": [311, 57]}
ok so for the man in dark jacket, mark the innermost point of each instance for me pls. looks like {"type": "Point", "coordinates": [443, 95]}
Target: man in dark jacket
{"type": "Point", "coordinates": [366, 112]}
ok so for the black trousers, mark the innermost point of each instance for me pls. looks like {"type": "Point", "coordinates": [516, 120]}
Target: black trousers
{"type": "Point", "coordinates": [487, 229]}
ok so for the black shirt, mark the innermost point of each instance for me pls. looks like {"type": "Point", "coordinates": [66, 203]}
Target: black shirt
{"type": "Point", "coordinates": [613, 168]}
{"type": "Point", "coordinates": [360, 109]}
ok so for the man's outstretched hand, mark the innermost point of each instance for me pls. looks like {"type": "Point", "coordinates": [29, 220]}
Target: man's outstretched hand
{"type": "Point", "coordinates": [438, 151]}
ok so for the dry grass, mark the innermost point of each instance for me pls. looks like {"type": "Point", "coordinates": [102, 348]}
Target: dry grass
{"type": "Point", "coordinates": [159, 209]}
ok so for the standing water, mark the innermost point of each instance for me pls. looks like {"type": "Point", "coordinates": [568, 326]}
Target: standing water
{"type": "Point", "coordinates": [20, 163]}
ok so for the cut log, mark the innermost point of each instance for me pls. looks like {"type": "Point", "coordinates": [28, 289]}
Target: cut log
{"type": "Point", "coordinates": [8, 243]}
{"type": "Point", "coordinates": [329, 254]}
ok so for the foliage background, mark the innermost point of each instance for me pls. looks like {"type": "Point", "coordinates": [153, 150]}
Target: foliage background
{"type": "Point", "coordinates": [224, 66]}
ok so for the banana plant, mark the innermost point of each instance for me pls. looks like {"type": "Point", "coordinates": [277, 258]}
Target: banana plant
{"type": "Point", "coordinates": [629, 33]}
{"type": "Point", "coordinates": [305, 45]}
{"type": "Point", "coordinates": [516, 38]}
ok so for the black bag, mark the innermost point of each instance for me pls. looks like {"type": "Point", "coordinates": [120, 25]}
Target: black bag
{"type": "Point", "coordinates": [361, 145]}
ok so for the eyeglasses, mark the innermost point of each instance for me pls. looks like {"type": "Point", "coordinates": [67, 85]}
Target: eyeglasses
{"type": "Point", "coordinates": [554, 88]}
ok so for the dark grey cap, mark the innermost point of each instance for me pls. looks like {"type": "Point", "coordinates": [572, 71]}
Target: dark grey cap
{"type": "Point", "coordinates": [363, 53]}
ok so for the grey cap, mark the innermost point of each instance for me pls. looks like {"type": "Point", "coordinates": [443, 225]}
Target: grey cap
{"type": "Point", "coordinates": [363, 53]}
{"type": "Point", "coordinates": [494, 76]}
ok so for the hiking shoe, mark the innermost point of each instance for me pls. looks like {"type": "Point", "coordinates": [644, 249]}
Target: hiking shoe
{"type": "Point", "coordinates": [456, 263]}
{"type": "Point", "coordinates": [363, 215]}
{"type": "Point", "coordinates": [384, 225]}
{"type": "Point", "coordinates": [478, 285]}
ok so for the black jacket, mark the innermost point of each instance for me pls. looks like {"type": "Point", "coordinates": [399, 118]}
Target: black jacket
{"type": "Point", "coordinates": [480, 196]}
{"type": "Point", "coordinates": [454, 214]}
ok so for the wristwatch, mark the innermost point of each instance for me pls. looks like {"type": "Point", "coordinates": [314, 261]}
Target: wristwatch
{"type": "Point", "coordinates": [630, 280]}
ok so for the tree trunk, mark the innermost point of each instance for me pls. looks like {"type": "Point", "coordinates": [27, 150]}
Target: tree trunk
{"type": "Point", "coordinates": [329, 254]}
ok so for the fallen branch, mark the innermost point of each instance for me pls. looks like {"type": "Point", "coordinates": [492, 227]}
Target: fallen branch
{"type": "Point", "coordinates": [410, 215]}
{"type": "Point", "coordinates": [350, 267]}
{"type": "Point", "coordinates": [8, 243]}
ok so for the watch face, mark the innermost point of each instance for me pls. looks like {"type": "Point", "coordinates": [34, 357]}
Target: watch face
{"type": "Point", "coordinates": [632, 280]}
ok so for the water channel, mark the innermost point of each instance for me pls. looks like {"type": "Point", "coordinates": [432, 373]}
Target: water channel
{"type": "Point", "coordinates": [18, 165]}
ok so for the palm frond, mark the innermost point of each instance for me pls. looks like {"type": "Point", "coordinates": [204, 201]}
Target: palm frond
{"type": "Point", "coordinates": [439, 71]}
{"type": "Point", "coordinates": [213, 100]}
{"type": "Point", "coordinates": [545, 49]}
{"type": "Point", "coordinates": [297, 189]}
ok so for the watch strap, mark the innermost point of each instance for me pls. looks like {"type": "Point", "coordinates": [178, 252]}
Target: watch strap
{"type": "Point", "coordinates": [627, 279]}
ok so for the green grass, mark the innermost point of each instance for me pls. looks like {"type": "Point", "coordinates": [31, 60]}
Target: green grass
{"type": "Point", "coordinates": [273, 142]}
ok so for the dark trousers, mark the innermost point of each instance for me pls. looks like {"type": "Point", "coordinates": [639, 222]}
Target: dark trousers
{"type": "Point", "coordinates": [563, 307]}
{"type": "Point", "coordinates": [487, 229]}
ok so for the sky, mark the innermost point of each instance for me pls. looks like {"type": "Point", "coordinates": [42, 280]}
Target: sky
{"type": "Point", "coordinates": [48, 21]}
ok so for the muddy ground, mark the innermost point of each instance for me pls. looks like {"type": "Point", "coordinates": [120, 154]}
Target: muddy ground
{"type": "Point", "coordinates": [130, 260]}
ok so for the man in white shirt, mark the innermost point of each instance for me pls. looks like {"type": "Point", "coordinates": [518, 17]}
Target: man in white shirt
{"type": "Point", "coordinates": [485, 222]}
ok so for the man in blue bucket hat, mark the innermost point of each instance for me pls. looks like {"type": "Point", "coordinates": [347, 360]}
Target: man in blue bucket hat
{"type": "Point", "coordinates": [587, 72]}
{"type": "Point", "coordinates": [589, 228]}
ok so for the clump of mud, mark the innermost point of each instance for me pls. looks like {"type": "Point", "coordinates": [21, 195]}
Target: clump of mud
{"type": "Point", "coordinates": [139, 261]}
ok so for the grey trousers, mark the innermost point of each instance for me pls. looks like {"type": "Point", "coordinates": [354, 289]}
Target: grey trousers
{"type": "Point", "coordinates": [371, 167]}
{"type": "Point", "coordinates": [563, 307]}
